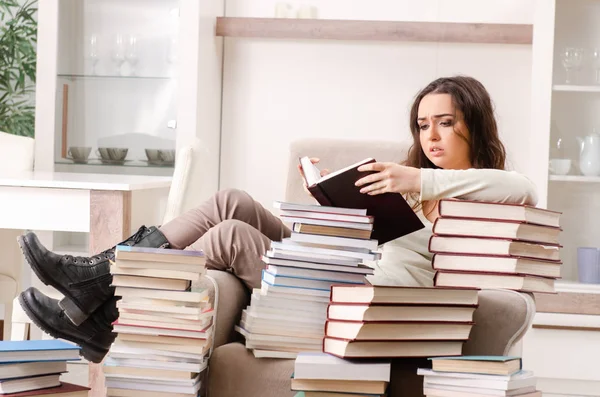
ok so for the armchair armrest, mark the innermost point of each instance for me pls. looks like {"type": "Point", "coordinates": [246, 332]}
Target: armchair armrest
{"type": "Point", "coordinates": [501, 320]}
{"type": "Point", "coordinates": [229, 298]}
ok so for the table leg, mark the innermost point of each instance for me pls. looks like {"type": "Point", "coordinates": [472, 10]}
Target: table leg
{"type": "Point", "coordinates": [110, 223]}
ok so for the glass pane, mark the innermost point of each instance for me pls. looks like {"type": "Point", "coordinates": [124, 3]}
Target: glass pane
{"type": "Point", "coordinates": [116, 85]}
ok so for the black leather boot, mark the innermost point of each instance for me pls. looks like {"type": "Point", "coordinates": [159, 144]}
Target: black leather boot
{"type": "Point", "coordinates": [85, 282]}
{"type": "Point", "coordinates": [94, 335]}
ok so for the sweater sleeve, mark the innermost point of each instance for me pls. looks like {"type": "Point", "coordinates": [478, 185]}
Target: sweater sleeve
{"type": "Point", "coordinates": [477, 184]}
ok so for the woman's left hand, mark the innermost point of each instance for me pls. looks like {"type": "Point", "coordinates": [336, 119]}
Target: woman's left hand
{"type": "Point", "coordinates": [390, 178]}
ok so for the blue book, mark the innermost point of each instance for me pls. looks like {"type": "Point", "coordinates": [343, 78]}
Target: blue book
{"type": "Point", "coordinates": [492, 365]}
{"type": "Point", "coordinates": [37, 350]}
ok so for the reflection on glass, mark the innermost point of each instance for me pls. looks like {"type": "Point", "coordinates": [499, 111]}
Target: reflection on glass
{"type": "Point", "coordinates": [132, 53]}
{"type": "Point", "coordinates": [596, 64]}
{"type": "Point", "coordinates": [118, 54]}
{"type": "Point", "coordinates": [571, 60]}
{"type": "Point", "coordinates": [92, 52]}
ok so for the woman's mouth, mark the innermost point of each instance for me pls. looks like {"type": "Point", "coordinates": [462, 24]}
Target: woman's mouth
{"type": "Point", "coordinates": [435, 151]}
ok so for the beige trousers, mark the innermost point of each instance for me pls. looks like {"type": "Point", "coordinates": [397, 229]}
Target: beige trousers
{"type": "Point", "coordinates": [232, 229]}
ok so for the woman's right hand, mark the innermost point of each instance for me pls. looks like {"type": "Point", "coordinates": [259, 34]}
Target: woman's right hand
{"type": "Point", "coordinates": [324, 172]}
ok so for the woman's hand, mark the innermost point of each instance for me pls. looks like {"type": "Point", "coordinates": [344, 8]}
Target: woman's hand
{"type": "Point", "coordinates": [390, 178]}
{"type": "Point", "coordinates": [313, 160]}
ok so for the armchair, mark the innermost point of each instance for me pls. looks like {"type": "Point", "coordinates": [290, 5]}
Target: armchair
{"type": "Point", "coordinates": [502, 317]}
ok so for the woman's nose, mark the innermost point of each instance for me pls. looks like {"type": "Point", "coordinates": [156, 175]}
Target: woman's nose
{"type": "Point", "coordinates": [433, 133]}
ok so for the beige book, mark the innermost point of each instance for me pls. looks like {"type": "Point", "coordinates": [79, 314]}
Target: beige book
{"type": "Point", "coordinates": [179, 257]}
{"type": "Point", "coordinates": [195, 312]}
{"type": "Point", "coordinates": [135, 264]}
{"type": "Point", "coordinates": [403, 295]}
{"type": "Point", "coordinates": [163, 339]}
{"type": "Point", "coordinates": [494, 281]}
{"type": "Point", "coordinates": [120, 280]}
{"type": "Point", "coordinates": [341, 386]}
{"type": "Point", "coordinates": [397, 330]}
{"type": "Point", "coordinates": [148, 372]}
{"type": "Point", "coordinates": [384, 349]}
{"type": "Point", "coordinates": [200, 348]}
{"type": "Point", "coordinates": [160, 320]}
{"type": "Point", "coordinates": [159, 273]}
{"type": "Point", "coordinates": [184, 296]}
{"type": "Point", "coordinates": [400, 313]}
{"type": "Point", "coordinates": [114, 392]}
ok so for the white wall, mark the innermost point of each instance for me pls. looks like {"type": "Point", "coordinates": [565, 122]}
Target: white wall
{"type": "Point", "coordinates": [276, 91]}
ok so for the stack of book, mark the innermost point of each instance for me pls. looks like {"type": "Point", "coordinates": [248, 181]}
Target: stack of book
{"type": "Point", "coordinates": [491, 245]}
{"type": "Point", "coordinates": [378, 321]}
{"type": "Point", "coordinates": [164, 327]}
{"type": "Point", "coordinates": [33, 368]}
{"type": "Point", "coordinates": [478, 376]}
{"type": "Point", "coordinates": [327, 246]}
{"type": "Point", "coordinates": [323, 375]}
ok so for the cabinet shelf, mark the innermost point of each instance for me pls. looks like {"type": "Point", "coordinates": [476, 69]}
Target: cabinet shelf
{"type": "Point", "coordinates": [576, 88]}
{"type": "Point", "coordinates": [109, 77]}
{"type": "Point", "coordinates": [128, 163]}
{"type": "Point", "coordinates": [574, 178]}
{"type": "Point", "coordinates": [331, 29]}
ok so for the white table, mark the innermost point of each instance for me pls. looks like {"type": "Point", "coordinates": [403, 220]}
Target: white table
{"type": "Point", "coordinates": [105, 206]}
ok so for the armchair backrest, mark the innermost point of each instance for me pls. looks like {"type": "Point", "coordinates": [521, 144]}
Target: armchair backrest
{"type": "Point", "coordinates": [16, 152]}
{"type": "Point", "coordinates": [335, 154]}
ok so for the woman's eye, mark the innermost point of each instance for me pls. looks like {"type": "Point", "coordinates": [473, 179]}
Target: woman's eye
{"type": "Point", "coordinates": [446, 123]}
{"type": "Point", "coordinates": [423, 127]}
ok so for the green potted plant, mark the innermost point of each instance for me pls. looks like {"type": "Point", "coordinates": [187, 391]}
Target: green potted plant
{"type": "Point", "coordinates": [18, 39]}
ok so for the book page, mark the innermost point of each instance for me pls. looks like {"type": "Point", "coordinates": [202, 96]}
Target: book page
{"type": "Point", "coordinates": [311, 172]}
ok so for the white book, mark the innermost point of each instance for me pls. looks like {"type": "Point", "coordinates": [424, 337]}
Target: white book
{"type": "Point", "coordinates": [303, 264]}
{"type": "Point", "coordinates": [269, 288]}
{"type": "Point", "coordinates": [292, 318]}
{"type": "Point", "coordinates": [335, 240]}
{"type": "Point", "coordinates": [275, 345]}
{"type": "Point", "coordinates": [526, 380]}
{"type": "Point", "coordinates": [467, 375]}
{"type": "Point", "coordinates": [132, 329]}
{"type": "Point", "coordinates": [152, 386]}
{"type": "Point", "coordinates": [29, 369]}
{"type": "Point", "coordinates": [258, 300]}
{"type": "Point", "coordinates": [326, 366]}
{"type": "Point", "coordinates": [282, 253]}
{"type": "Point", "coordinates": [324, 222]}
{"type": "Point", "coordinates": [151, 364]}
{"type": "Point", "coordinates": [324, 275]}
{"type": "Point", "coordinates": [260, 353]}
{"type": "Point", "coordinates": [184, 296]}
{"type": "Point", "coordinates": [255, 337]}
{"type": "Point", "coordinates": [319, 208]}
{"type": "Point", "coordinates": [280, 329]}
{"type": "Point", "coordinates": [318, 316]}
{"type": "Point", "coordinates": [152, 379]}
{"type": "Point", "coordinates": [289, 245]}
{"type": "Point", "coordinates": [297, 282]}
{"type": "Point", "coordinates": [329, 216]}
{"type": "Point", "coordinates": [8, 386]}
{"type": "Point", "coordinates": [458, 391]}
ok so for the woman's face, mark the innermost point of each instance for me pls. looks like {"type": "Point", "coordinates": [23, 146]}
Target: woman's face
{"type": "Point", "coordinates": [443, 134]}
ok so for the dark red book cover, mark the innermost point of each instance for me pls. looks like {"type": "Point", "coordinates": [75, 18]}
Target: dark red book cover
{"type": "Point", "coordinates": [393, 216]}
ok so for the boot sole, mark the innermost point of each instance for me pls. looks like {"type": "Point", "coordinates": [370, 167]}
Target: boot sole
{"type": "Point", "coordinates": [75, 314]}
{"type": "Point", "coordinates": [89, 352]}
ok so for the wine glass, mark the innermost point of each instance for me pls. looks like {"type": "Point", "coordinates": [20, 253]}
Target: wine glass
{"type": "Point", "coordinates": [92, 52]}
{"type": "Point", "coordinates": [596, 64]}
{"type": "Point", "coordinates": [132, 54]}
{"type": "Point", "coordinates": [571, 60]}
{"type": "Point", "coordinates": [118, 54]}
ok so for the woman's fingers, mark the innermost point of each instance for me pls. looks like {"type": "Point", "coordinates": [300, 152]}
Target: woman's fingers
{"type": "Point", "coordinates": [325, 172]}
{"type": "Point", "coordinates": [372, 167]}
{"type": "Point", "coordinates": [369, 179]}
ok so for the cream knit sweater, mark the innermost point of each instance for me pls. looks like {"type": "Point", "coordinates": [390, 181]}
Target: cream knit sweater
{"type": "Point", "coordinates": [407, 260]}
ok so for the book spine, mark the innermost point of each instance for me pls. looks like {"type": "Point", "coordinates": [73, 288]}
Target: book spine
{"type": "Point", "coordinates": [320, 195]}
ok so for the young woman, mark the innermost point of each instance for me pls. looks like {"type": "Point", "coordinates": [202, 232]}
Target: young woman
{"type": "Point", "coordinates": [456, 153]}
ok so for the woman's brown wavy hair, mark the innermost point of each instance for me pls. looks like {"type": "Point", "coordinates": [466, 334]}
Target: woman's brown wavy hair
{"type": "Point", "coordinates": [472, 99]}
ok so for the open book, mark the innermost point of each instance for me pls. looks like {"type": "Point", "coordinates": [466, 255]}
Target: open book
{"type": "Point", "coordinates": [393, 215]}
